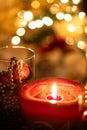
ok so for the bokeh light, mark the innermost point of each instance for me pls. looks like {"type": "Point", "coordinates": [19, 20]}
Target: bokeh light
{"type": "Point", "coordinates": [47, 21]}
{"type": "Point", "coordinates": [35, 4]}
{"type": "Point", "coordinates": [15, 40]}
{"type": "Point", "coordinates": [28, 15]}
{"type": "Point", "coordinates": [20, 31]}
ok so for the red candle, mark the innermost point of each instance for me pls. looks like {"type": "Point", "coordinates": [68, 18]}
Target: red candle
{"type": "Point", "coordinates": [39, 104]}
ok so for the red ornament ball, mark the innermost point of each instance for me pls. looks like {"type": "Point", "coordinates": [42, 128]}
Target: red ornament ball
{"type": "Point", "coordinates": [24, 71]}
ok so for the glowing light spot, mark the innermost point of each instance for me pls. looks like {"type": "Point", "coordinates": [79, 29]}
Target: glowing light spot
{"type": "Point", "coordinates": [20, 31]}
{"type": "Point", "coordinates": [50, 1]}
{"type": "Point", "coordinates": [15, 40]}
{"type": "Point", "coordinates": [69, 40]}
{"type": "Point", "coordinates": [81, 44]}
{"type": "Point", "coordinates": [85, 92]}
{"type": "Point", "coordinates": [71, 28]}
{"type": "Point", "coordinates": [85, 112]}
{"type": "Point", "coordinates": [21, 14]}
{"type": "Point", "coordinates": [39, 23]}
{"type": "Point", "coordinates": [35, 4]}
{"type": "Point", "coordinates": [32, 25]}
{"type": "Point", "coordinates": [64, 1]}
{"type": "Point", "coordinates": [76, 1]}
{"type": "Point", "coordinates": [85, 96]}
{"type": "Point", "coordinates": [47, 21]}
{"type": "Point", "coordinates": [84, 116]}
{"type": "Point", "coordinates": [54, 90]}
{"type": "Point", "coordinates": [28, 15]}
{"type": "Point", "coordinates": [82, 15]}
{"type": "Point", "coordinates": [22, 23]}
{"type": "Point", "coordinates": [67, 17]}
{"type": "Point", "coordinates": [85, 87]}
{"type": "Point", "coordinates": [86, 101]}
{"type": "Point", "coordinates": [74, 8]}
{"type": "Point", "coordinates": [85, 29]}
{"type": "Point", "coordinates": [54, 8]}
{"type": "Point", "coordinates": [80, 99]}
{"type": "Point", "coordinates": [60, 15]}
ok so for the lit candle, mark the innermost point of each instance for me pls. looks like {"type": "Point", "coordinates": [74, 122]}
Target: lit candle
{"type": "Point", "coordinates": [54, 97]}
{"type": "Point", "coordinates": [54, 92]}
{"type": "Point", "coordinates": [51, 100]}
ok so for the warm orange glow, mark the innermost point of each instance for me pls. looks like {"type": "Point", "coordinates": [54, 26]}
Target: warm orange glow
{"type": "Point", "coordinates": [54, 90]}
{"type": "Point", "coordinates": [50, 1]}
{"type": "Point", "coordinates": [84, 116]}
{"type": "Point", "coordinates": [85, 112]}
{"type": "Point", "coordinates": [35, 4]}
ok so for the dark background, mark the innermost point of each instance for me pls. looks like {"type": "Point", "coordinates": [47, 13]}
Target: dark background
{"type": "Point", "coordinates": [85, 5]}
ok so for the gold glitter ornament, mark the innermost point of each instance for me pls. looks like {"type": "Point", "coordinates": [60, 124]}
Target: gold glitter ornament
{"type": "Point", "coordinates": [9, 88]}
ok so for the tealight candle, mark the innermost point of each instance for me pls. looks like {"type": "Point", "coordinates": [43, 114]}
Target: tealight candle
{"type": "Point", "coordinates": [54, 97]}
{"type": "Point", "coordinates": [40, 102]}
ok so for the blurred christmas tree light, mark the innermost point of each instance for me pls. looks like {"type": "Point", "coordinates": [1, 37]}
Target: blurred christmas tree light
{"type": "Point", "coordinates": [15, 40]}
{"type": "Point", "coordinates": [64, 17]}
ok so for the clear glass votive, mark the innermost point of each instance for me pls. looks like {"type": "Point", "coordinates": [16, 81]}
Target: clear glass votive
{"type": "Point", "coordinates": [17, 67]}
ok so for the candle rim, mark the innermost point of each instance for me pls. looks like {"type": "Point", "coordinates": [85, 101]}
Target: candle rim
{"type": "Point", "coordinates": [61, 80]}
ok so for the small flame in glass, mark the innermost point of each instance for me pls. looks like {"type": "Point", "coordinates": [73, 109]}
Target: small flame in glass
{"type": "Point", "coordinates": [21, 63]}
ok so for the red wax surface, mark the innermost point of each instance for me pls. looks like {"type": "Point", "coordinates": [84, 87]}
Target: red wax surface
{"type": "Point", "coordinates": [35, 106]}
{"type": "Point", "coordinates": [50, 97]}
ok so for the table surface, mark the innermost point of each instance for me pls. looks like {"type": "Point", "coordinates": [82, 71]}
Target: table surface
{"type": "Point", "coordinates": [12, 119]}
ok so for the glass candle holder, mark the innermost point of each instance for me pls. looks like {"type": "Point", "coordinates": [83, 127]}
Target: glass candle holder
{"type": "Point", "coordinates": [17, 67]}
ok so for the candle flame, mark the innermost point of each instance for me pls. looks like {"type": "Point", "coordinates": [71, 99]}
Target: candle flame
{"type": "Point", "coordinates": [54, 90]}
